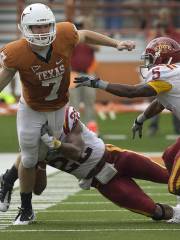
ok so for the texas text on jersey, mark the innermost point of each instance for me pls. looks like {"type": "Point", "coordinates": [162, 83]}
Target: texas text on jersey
{"type": "Point", "coordinates": [45, 81]}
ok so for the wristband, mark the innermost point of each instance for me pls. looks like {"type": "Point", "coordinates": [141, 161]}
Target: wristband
{"type": "Point", "coordinates": [138, 123]}
{"type": "Point", "coordinates": [102, 84]}
{"type": "Point", "coordinates": [141, 118]}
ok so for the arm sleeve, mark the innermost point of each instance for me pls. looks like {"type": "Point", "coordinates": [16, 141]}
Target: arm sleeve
{"type": "Point", "coordinates": [160, 86]}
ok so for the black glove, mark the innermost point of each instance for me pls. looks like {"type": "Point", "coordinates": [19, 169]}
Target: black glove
{"type": "Point", "coordinates": [137, 127]}
{"type": "Point", "coordinates": [87, 81]}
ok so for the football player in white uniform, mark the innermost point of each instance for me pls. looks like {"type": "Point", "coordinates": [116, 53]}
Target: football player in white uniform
{"type": "Point", "coordinates": [162, 59]}
{"type": "Point", "coordinates": [108, 168]}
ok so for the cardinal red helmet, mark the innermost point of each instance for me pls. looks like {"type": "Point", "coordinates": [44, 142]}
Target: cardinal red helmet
{"type": "Point", "coordinates": [162, 50]}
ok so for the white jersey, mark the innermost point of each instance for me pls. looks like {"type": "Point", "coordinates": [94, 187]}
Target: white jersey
{"type": "Point", "coordinates": [170, 74]}
{"type": "Point", "coordinates": [92, 153]}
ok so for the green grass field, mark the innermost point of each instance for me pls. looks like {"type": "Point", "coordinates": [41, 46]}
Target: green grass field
{"type": "Point", "coordinates": [122, 125]}
{"type": "Point", "coordinates": [87, 215]}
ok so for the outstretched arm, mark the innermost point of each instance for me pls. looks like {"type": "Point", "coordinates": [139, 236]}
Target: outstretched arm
{"type": "Point", "coordinates": [131, 91]}
{"type": "Point", "coordinates": [121, 90]}
{"type": "Point", "coordinates": [91, 37]}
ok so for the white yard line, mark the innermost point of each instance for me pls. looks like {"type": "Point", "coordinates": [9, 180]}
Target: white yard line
{"type": "Point", "coordinates": [92, 220]}
{"type": "Point", "coordinates": [62, 184]}
{"type": "Point", "coordinates": [95, 230]}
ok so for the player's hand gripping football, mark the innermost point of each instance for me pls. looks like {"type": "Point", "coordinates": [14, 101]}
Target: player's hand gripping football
{"type": "Point", "coordinates": [137, 128]}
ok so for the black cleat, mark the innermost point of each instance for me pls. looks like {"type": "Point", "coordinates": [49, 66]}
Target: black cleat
{"type": "Point", "coordinates": [24, 217]}
{"type": "Point", "coordinates": [5, 193]}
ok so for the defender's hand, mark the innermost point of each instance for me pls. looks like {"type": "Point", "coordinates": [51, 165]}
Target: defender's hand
{"type": "Point", "coordinates": [125, 45]}
{"type": "Point", "coordinates": [137, 128]}
{"type": "Point", "coordinates": [87, 81]}
{"type": "Point", "coordinates": [45, 129]}
{"type": "Point", "coordinates": [48, 139]}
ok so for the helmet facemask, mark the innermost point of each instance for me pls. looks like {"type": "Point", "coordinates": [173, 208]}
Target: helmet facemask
{"type": "Point", "coordinates": [149, 61]}
{"type": "Point", "coordinates": [39, 39]}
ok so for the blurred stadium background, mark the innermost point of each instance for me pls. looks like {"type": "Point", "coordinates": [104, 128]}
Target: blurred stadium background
{"type": "Point", "coordinates": [122, 19]}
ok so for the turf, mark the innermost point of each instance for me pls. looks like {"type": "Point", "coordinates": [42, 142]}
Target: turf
{"type": "Point", "coordinates": [8, 140]}
{"type": "Point", "coordinates": [87, 215]}
{"type": "Point", "coordinates": [121, 125]}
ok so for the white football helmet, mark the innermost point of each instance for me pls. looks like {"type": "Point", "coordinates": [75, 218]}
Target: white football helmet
{"type": "Point", "coordinates": [38, 14]}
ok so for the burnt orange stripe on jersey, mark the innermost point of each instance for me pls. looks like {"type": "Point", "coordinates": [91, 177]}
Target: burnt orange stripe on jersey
{"type": "Point", "coordinates": [66, 122]}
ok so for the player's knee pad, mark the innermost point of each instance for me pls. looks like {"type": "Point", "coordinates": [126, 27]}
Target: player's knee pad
{"type": "Point", "coordinates": [28, 162]}
{"type": "Point", "coordinates": [28, 140]}
{"type": "Point", "coordinates": [29, 149]}
{"type": "Point", "coordinates": [29, 158]}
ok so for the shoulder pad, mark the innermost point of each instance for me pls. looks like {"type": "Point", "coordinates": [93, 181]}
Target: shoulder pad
{"type": "Point", "coordinates": [10, 53]}
{"type": "Point", "coordinates": [161, 72]}
{"type": "Point", "coordinates": [67, 31]}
